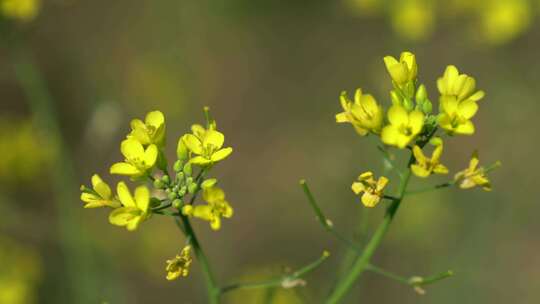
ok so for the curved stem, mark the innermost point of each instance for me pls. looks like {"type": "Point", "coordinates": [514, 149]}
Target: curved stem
{"type": "Point", "coordinates": [287, 281]}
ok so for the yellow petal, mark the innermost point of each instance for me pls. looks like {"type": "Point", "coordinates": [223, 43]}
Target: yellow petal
{"type": "Point", "coordinates": [122, 216]}
{"type": "Point", "coordinates": [390, 134]}
{"type": "Point", "coordinates": [410, 60]}
{"type": "Point", "coordinates": [381, 183]}
{"type": "Point", "coordinates": [155, 119]}
{"type": "Point", "coordinates": [213, 195]}
{"type": "Point", "coordinates": [420, 171]}
{"type": "Point", "coordinates": [370, 200]}
{"type": "Point", "coordinates": [437, 153]}
{"type": "Point", "coordinates": [101, 187]}
{"type": "Point", "coordinates": [133, 224]}
{"type": "Point", "coordinates": [215, 223]}
{"type": "Point", "coordinates": [193, 143]}
{"type": "Point", "coordinates": [88, 197]}
{"type": "Point", "coordinates": [342, 117]}
{"type": "Point", "coordinates": [467, 108]}
{"type": "Point", "coordinates": [199, 160]}
{"type": "Point", "coordinates": [125, 169]}
{"type": "Point", "coordinates": [124, 195]}
{"type": "Point", "coordinates": [416, 121]}
{"type": "Point", "coordinates": [132, 149]}
{"type": "Point", "coordinates": [198, 130]}
{"type": "Point", "coordinates": [214, 138]}
{"type": "Point", "coordinates": [440, 169]}
{"type": "Point", "coordinates": [397, 115]}
{"type": "Point", "coordinates": [466, 128]}
{"type": "Point", "coordinates": [402, 140]}
{"type": "Point", "coordinates": [150, 156]}
{"type": "Point", "coordinates": [419, 155]}
{"type": "Point", "coordinates": [477, 96]}
{"type": "Point", "coordinates": [357, 187]}
{"type": "Point", "coordinates": [221, 154]}
{"type": "Point", "coordinates": [142, 198]}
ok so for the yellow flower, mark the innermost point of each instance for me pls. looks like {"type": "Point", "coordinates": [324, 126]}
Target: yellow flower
{"type": "Point", "coordinates": [458, 85]}
{"type": "Point", "coordinates": [100, 196]}
{"type": "Point", "coordinates": [179, 266]}
{"type": "Point", "coordinates": [403, 126]}
{"type": "Point", "coordinates": [134, 210]}
{"type": "Point", "coordinates": [216, 208]}
{"type": "Point", "coordinates": [458, 101]}
{"type": "Point", "coordinates": [413, 19]}
{"type": "Point", "coordinates": [473, 176]}
{"type": "Point", "coordinates": [138, 160]}
{"type": "Point", "coordinates": [151, 131]}
{"type": "Point", "coordinates": [424, 166]}
{"type": "Point", "coordinates": [372, 189]}
{"type": "Point", "coordinates": [404, 70]}
{"type": "Point", "coordinates": [207, 145]}
{"type": "Point", "coordinates": [23, 10]}
{"type": "Point", "coordinates": [364, 113]}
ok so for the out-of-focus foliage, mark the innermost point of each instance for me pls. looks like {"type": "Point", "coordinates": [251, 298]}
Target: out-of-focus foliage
{"type": "Point", "coordinates": [20, 272]}
{"type": "Point", "coordinates": [490, 21]}
{"type": "Point", "coordinates": [24, 152]}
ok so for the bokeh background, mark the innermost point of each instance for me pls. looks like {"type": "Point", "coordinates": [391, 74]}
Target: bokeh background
{"type": "Point", "coordinates": [73, 73]}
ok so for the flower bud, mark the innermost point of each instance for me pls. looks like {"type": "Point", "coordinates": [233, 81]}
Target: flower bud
{"type": "Point", "coordinates": [158, 184]}
{"type": "Point", "coordinates": [177, 203]}
{"type": "Point", "coordinates": [396, 99]}
{"type": "Point", "coordinates": [165, 179]}
{"type": "Point", "coordinates": [421, 94]}
{"type": "Point", "coordinates": [188, 170]}
{"type": "Point", "coordinates": [192, 188]}
{"type": "Point", "coordinates": [172, 195]}
{"type": "Point", "coordinates": [178, 166]}
{"type": "Point", "coordinates": [182, 151]}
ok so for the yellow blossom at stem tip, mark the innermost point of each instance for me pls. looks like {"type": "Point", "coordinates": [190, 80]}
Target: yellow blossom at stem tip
{"type": "Point", "coordinates": [138, 159]}
{"type": "Point", "coordinates": [151, 131]}
{"type": "Point", "coordinates": [179, 266]}
{"type": "Point", "coordinates": [99, 196]}
{"type": "Point", "coordinates": [372, 189]}
{"type": "Point", "coordinates": [206, 145]}
{"type": "Point", "coordinates": [402, 71]}
{"type": "Point", "coordinates": [403, 128]}
{"type": "Point", "coordinates": [424, 166]}
{"type": "Point", "coordinates": [135, 209]}
{"type": "Point", "coordinates": [364, 113]}
{"type": "Point", "coordinates": [21, 10]}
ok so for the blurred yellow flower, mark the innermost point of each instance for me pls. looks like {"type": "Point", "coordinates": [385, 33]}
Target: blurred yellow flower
{"type": "Point", "coordinates": [458, 101]}
{"type": "Point", "coordinates": [473, 176]}
{"type": "Point", "coordinates": [179, 266]}
{"type": "Point", "coordinates": [403, 127]}
{"type": "Point", "coordinates": [402, 71]}
{"type": "Point", "coordinates": [424, 166]}
{"type": "Point", "coordinates": [99, 196]}
{"type": "Point", "coordinates": [364, 113]}
{"type": "Point", "coordinates": [138, 159]}
{"type": "Point", "coordinates": [151, 131]}
{"type": "Point", "coordinates": [503, 20]}
{"type": "Point", "coordinates": [22, 10]}
{"type": "Point", "coordinates": [212, 212]}
{"type": "Point", "coordinates": [19, 274]}
{"type": "Point", "coordinates": [207, 145]}
{"type": "Point", "coordinates": [372, 189]}
{"type": "Point", "coordinates": [413, 19]}
{"type": "Point", "coordinates": [134, 210]}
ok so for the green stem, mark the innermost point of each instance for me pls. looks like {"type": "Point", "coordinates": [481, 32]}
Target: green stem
{"type": "Point", "coordinates": [363, 261]}
{"type": "Point", "coordinates": [287, 281]}
{"type": "Point", "coordinates": [432, 188]}
{"type": "Point", "coordinates": [74, 241]}
{"type": "Point", "coordinates": [212, 289]}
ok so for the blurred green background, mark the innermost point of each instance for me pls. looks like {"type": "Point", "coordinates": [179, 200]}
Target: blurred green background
{"type": "Point", "coordinates": [73, 73]}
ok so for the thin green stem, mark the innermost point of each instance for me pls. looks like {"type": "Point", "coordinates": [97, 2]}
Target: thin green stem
{"type": "Point", "coordinates": [363, 261]}
{"type": "Point", "coordinates": [286, 281]}
{"type": "Point", "coordinates": [388, 274]}
{"type": "Point", "coordinates": [432, 188]}
{"type": "Point", "coordinates": [73, 241]}
{"type": "Point", "coordinates": [212, 288]}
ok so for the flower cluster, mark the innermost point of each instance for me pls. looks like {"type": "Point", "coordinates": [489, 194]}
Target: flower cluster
{"type": "Point", "coordinates": [410, 123]}
{"type": "Point", "coordinates": [173, 195]}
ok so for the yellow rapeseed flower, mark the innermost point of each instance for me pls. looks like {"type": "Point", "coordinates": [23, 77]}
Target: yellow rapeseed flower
{"type": "Point", "coordinates": [473, 176]}
{"type": "Point", "coordinates": [99, 196]}
{"type": "Point", "coordinates": [212, 212]}
{"type": "Point", "coordinates": [424, 166]}
{"type": "Point", "coordinates": [207, 145]}
{"type": "Point", "coordinates": [134, 210]}
{"type": "Point", "coordinates": [404, 70]}
{"type": "Point", "coordinates": [179, 266]}
{"type": "Point", "coordinates": [138, 159]}
{"type": "Point", "coordinates": [151, 131]}
{"type": "Point", "coordinates": [22, 10]}
{"type": "Point", "coordinates": [372, 189]}
{"type": "Point", "coordinates": [403, 127]}
{"type": "Point", "coordinates": [364, 113]}
{"type": "Point", "coordinates": [458, 101]}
